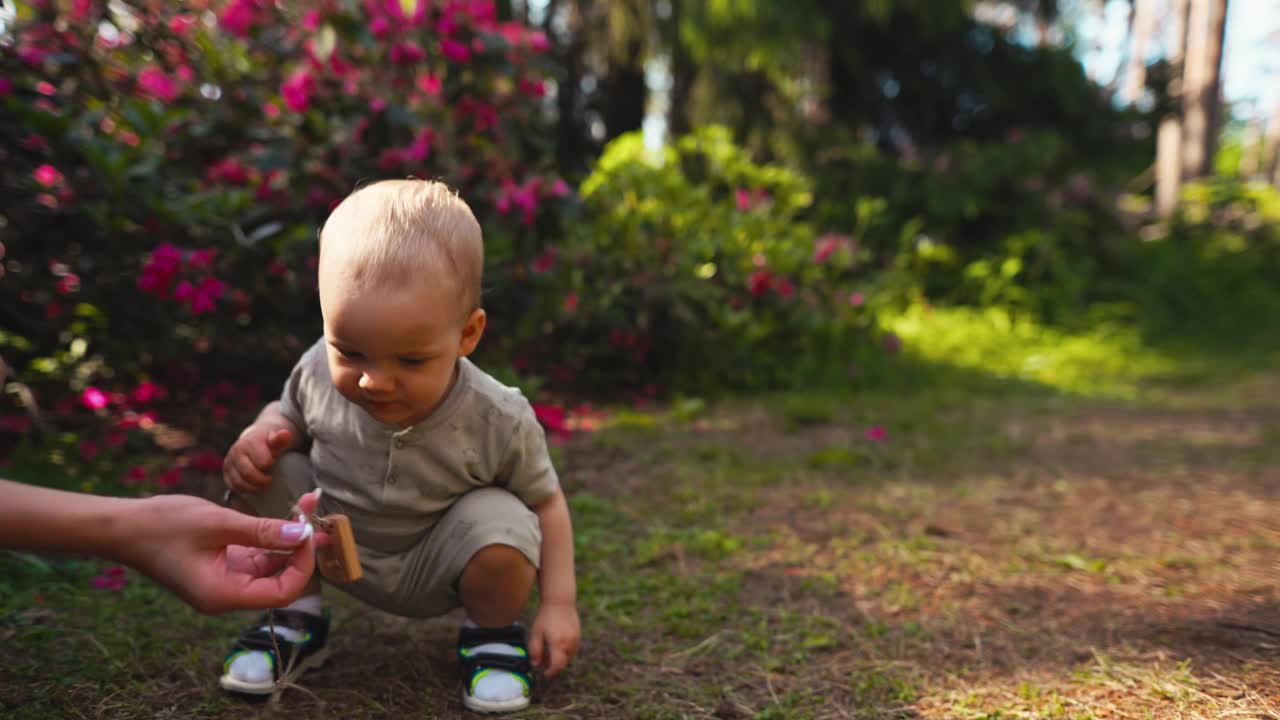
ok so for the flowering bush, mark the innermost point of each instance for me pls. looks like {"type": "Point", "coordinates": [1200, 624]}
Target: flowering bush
{"type": "Point", "coordinates": [695, 269]}
{"type": "Point", "coordinates": [172, 164]}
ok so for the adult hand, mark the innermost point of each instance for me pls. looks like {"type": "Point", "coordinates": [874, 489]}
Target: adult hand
{"type": "Point", "coordinates": [218, 559]}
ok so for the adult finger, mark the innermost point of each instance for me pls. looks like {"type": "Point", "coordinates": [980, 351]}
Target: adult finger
{"type": "Point", "coordinates": [282, 589]}
{"type": "Point", "coordinates": [238, 528]}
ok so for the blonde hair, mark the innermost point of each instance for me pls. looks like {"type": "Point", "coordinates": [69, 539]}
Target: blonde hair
{"type": "Point", "coordinates": [395, 232]}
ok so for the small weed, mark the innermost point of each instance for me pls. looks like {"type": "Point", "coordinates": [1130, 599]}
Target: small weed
{"type": "Point", "coordinates": [838, 457]}
{"type": "Point", "coordinates": [800, 411]}
{"type": "Point", "coordinates": [877, 686]}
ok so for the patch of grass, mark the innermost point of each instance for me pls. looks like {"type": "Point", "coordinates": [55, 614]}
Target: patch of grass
{"type": "Point", "coordinates": [882, 686]}
{"type": "Point", "coordinates": [839, 456]}
{"type": "Point", "coordinates": [804, 409]}
{"type": "Point", "coordinates": [1109, 360]}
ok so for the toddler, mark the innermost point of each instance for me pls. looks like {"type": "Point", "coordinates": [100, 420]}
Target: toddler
{"type": "Point", "coordinates": [442, 470]}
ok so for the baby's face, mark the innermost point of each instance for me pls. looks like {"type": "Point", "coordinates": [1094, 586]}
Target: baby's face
{"type": "Point", "coordinates": [393, 352]}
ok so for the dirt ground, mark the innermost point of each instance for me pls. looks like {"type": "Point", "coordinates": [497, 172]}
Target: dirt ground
{"type": "Point", "coordinates": [939, 555]}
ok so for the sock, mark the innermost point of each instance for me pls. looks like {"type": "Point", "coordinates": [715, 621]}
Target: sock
{"type": "Point", "coordinates": [255, 667]}
{"type": "Point", "coordinates": [496, 685]}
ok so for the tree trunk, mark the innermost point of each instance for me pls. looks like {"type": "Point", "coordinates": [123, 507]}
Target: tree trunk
{"type": "Point", "coordinates": [683, 73]}
{"type": "Point", "coordinates": [1217, 41]}
{"type": "Point", "coordinates": [1169, 135]}
{"type": "Point", "coordinates": [1201, 86]}
{"type": "Point", "coordinates": [1271, 148]}
{"type": "Point", "coordinates": [570, 133]}
{"type": "Point", "coordinates": [1135, 74]}
{"type": "Point", "coordinates": [625, 91]}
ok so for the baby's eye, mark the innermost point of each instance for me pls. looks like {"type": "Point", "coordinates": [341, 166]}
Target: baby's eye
{"type": "Point", "coordinates": [350, 354]}
{"type": "Point", "coordinates": [413, 361]}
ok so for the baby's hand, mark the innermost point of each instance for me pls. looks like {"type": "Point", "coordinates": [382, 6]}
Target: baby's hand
{"type": "Point", "coordinates": [247, 468]}
{"type": "Point", "coordinates": [554, 638]}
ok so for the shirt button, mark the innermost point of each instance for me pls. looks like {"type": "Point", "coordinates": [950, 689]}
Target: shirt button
{"type": "Point", "coordinates": [391, 478]}
{"type": "Point", "coordinates": [400, 442]}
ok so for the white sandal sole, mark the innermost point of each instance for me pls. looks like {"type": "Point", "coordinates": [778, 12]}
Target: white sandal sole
{"type": "Point", "coordinates": [233, 684]}
{"type": "Point", "coordinates": [491, 707]}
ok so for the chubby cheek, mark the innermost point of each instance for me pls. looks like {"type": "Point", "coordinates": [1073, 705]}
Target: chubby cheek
{"type": "Point", "coordinates": [347, 381]}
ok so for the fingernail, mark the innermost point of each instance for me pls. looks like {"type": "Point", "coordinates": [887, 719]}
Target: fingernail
{"type": "Point", "coordinates": [294, 532]}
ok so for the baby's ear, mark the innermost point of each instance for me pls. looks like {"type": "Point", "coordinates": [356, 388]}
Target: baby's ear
{"type": "Point", "coordinates": [472, 331]}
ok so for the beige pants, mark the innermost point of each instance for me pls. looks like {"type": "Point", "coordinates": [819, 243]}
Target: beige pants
{"type": "Point", "coordinates": [414, 577]}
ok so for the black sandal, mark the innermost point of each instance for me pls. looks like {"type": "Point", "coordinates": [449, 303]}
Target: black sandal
{"type": "Point", "coordinates": [476, 665]}
{"type": "Point", "coordinates": [295, 656]}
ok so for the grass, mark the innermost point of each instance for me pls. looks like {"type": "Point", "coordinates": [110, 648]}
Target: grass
{"type": "Point", "coordinates": [1075, 537]}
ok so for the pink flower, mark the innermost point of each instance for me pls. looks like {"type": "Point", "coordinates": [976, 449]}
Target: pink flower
{"type": "Point", "coordinates": [114, 439]}
{"type": "Point", "coordinates": [743, 197]}
{"type": "Point", "coordinates": [34, 143]}
{"type": "Point", "coordinates": [271, 110]}
{"type": "Point", "coordinates": [88, 450]}
{"type": "Point", "coordinates": [551, 418]}
{"type": "Point", "coordinates": [544, 262]}
{"type": "Point", "coordinates": [153, 82]}
{"type": "Point", "coordinates": [571, 302]}
{"type": "Point", "coordinates": [857, 299]}
{"type": "Point", "coordinates": [80, 10]}
{"type": "Point", "coordinates": [204, 296]}
{"type": "Point", "coordinates": [32, 56]}
{"type": "Point", "coordinates": [169, 478]}
{"type": "Point", "coordinates": [892, 343]}
{"type": "Point", "coordinates": [238, 17]}
{"type": "Point", "coordinates": [784, 287]}
{"type": "Point", "coordinates": [47, 175]}
{"type": "Point", "coordinates": [380, 26]}
{"type": "Point", "coordinates": [421, 145]}
{"type": "Point", "coordinates": [406, 54]}
{"type": "Point", "coordinates": [538, 41]}
{"type": "Point", "coordinates": [112, 578]}
{"type": "Point", "coordinates": [876, 433]}
{"type": "Point", "coordinates": [181, 24]}
{"type": "Point", "coordinates": [429, 84]}
{"type": "Point", "coordinates": [201, 259]}
{"type": "Point", "coordinates": [6, 87]}
{"type": "Point", "coordinates": [148, 392]}
{"type": "Point", "coordinates": [311, 20]}
{"type": "Point", "coordinates": [185, 73]}
{"type": "Point", "coordinates": [560, 188]}
{"type": "Point", "coordinates": [136, 475]}
{"type": "Point", "coordinates": [454, 50]}
{"type": "Point", "coordinates": [16, 424]}
{"type": "Point", "coordinates": [377, 105]}
{"type": "Point", "coordinates": [67, 284]}
{"type": "Point", "coordinates": [297, 90]}
{"type": "Point", "coordinates": [228, 171]}
{"type": "Point", "coordinates": [44, 87]}
{"type": "Point", "coordinates": [93, 398]}
{"type": "Point", "coordinates": [526, 198]}
{"type": "Point", "coordinates": [826, 246]}
{"type": "Point", "coordinates": [532, 88]}
{"type": "Point", "coordinates": [205, 461]}
{"type": "Point", "coordinates": [183, 291]}
{"type": "Point", "coordinates": [759, 282]}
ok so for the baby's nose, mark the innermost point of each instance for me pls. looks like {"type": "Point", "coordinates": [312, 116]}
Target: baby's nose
{"type": "Point", "coordinates": [373, 381]}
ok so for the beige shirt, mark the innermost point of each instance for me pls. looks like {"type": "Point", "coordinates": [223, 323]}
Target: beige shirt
{"type": "Point", "coordinates": [395, 483]}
